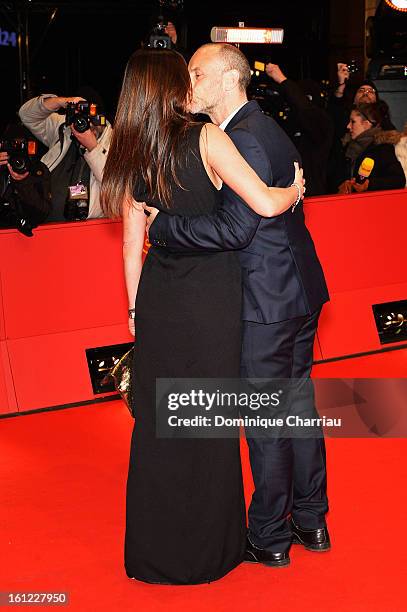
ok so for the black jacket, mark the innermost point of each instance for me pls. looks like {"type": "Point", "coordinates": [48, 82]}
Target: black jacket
{"type": "Point", "coordinates": [311, 130]}
{"type": "Point", "coordinates": [282, 276]}
{"type": "Point", "coordinates": [27, 203]}
{"type": "Point", "coordinates": [387, 171]}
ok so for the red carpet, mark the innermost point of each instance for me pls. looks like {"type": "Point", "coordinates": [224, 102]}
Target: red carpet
{"type": "Point", "coordinates": [62, 497]}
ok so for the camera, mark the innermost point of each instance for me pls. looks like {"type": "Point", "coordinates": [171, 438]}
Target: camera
{"type": "Point", "coordinates": [82, 115]}
{"type": "Point", "coordinates": [159, 39]}
{"type": "Point", "coordinates": [20, 151]}
{"type": "Point", "coordinates": [166, 12]}
{"type": "Point", "coordinates": [353, 67]}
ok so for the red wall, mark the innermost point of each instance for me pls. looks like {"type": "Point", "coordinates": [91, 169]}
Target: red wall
{"type": "Point", "coordinates": [62, 291]}
{"type": "Point", "coordinates": [361, 241]}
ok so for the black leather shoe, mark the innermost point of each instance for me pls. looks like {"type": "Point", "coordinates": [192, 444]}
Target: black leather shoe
{"type": "Point", "coordinates": [260, 555]}
{"type": "Point", "coordinates": [316, 540]}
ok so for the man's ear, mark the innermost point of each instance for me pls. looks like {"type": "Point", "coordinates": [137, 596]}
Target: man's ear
{"type": "Point", "coordinates": [230, 79]}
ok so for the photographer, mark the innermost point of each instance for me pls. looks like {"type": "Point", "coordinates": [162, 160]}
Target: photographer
{"type": "Point", "coordinates": [309, 126]}
{"type": "Point", "coordinates": [76, 160]}
{"type": "Point", "coordinates": [164, 36]}
{"type": "Point", "coordinates": [345, 95]}
{"type": "Point", "coordinates": [25, 199]}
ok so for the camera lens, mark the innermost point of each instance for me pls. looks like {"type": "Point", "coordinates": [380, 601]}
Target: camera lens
{"type": "Point", "coordinates": [81, 124]}
{"type": "Point", "coordinates": [19, 164]}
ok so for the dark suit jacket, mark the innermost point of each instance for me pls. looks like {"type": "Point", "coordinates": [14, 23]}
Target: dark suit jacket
{"type": "Point", "coordinates": [282, 276]}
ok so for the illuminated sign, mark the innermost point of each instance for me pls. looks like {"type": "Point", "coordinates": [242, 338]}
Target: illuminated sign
{"type": "Point", "coordinates": [8, 39]}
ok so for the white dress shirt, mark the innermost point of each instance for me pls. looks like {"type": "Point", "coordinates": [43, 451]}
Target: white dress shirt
{"type": "Point", "coordinates": [224, 123]}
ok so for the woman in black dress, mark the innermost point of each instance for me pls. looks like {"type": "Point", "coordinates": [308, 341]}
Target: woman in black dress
{"type": "Point", "coordinates": [185, 506]}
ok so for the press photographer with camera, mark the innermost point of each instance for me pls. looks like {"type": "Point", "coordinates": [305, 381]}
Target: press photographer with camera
{"type": "Point", "coordinates": [163, 35]}
{"type": "Point", "coordinates": [346, 94]}
{"type": "Point", "coordinates": [348, 91]}
{"type": "Point", "coordinates": [25, 198]}
{"type": "Point", "coordinates": [308, 125]}
{"type": "Point", "coordinates": [77, 136]}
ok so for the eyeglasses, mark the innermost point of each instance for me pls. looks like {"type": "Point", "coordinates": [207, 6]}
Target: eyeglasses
{"type": "Point", "coordinates": [366, 90]}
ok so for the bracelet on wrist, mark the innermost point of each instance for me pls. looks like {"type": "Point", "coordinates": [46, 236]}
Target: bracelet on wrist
{"type": "Point", "coordinates": [297, 201]}
{"type": "Point", "coordinates": [132, 313]}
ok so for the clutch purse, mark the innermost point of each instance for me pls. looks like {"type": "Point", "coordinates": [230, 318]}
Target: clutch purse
{"type": "Point", "coordinates": [122, 377]}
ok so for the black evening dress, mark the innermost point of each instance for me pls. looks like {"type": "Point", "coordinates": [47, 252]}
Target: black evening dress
{"type": "Point", "coordinates": [185, 514]}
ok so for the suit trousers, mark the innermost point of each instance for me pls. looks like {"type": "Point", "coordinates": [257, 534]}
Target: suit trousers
{"type": "Point", "coordinates": [289, 473]}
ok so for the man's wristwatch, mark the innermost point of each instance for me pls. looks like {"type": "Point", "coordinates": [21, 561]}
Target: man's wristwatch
{"type": "Point", "coordinates": [132, 313]}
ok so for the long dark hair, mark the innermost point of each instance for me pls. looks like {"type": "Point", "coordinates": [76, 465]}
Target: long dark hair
{"type": "Point", "coordinates": [149, 128]}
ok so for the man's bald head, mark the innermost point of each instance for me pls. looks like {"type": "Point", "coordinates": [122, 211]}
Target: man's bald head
{"type": "Point", "coordinates": [230, 58]}
{"type": "Point", "coordinates": [219, 75]}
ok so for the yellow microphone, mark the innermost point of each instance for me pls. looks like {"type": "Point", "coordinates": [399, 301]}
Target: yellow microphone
{"type": "Point", "coordinates": [365, 170]}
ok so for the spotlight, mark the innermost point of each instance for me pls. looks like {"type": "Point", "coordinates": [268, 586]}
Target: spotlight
{"type": "Point", "coordinates": [398, 5]}
{"type": "Point", "coordinates": [247, 35]}
{"type": "Point", "coordinates": [391, 321]}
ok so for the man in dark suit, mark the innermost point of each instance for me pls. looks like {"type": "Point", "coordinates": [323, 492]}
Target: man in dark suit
{"type": "Point", "coordinates": [283, 292]}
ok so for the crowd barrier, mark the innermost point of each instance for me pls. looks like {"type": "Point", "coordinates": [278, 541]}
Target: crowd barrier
{"type": "Point", "coordinates": [62, 292]}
